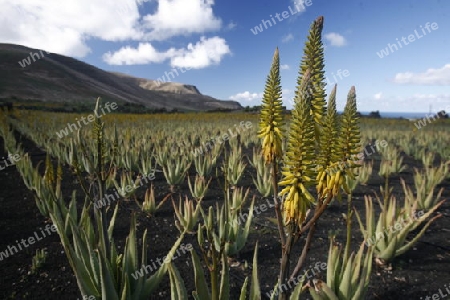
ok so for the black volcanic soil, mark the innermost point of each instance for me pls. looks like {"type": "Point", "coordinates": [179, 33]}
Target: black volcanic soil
{"type": "Point", "coordinates": [421, 272]}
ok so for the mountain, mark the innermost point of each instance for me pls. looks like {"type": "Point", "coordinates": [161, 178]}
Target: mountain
{"type": "Point", "coordinates": [37, 75]}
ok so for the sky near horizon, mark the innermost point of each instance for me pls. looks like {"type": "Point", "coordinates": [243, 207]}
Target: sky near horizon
{"type": "Point", "coordinates": [394, 52]}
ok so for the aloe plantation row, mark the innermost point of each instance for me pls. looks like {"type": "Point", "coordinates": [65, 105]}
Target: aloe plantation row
{"type": "Point", "coordinates": [302, 162]}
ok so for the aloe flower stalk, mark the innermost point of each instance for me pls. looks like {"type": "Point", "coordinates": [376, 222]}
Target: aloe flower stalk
{"type": "Point", "coordinates": [330, 151]}
{"type": "Point", "coordinates": [271, 123]}
{"type": "Point", "coordinates": [271, 131]}
{"type": "Point", "coordinates": [297, 172]}
{"type": "Point", "coordinates": [298, 166]}
{"type": "Point", "coordinates": [350, 142]}
{"type": "Point", "coordinates": [350, 134]}
{"type": "Point", "coordinates": [313, 59]}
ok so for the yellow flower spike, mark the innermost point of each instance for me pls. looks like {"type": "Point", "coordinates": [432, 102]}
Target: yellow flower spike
{"type": "Point", "coordinates": [313, 61]}
{"type": "Point", "coordinates": [271, 122]}
{"type": "Point", "coordinates": [298, 166]}
{"type": "Point", "coordinates": [349, 139]}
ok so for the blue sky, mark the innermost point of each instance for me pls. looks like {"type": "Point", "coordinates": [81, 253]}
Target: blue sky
{"type": "Point", "coordinates": [212, 45]}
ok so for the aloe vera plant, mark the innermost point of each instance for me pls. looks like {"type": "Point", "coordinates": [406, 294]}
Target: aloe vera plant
{"type": "Point", "coordinates": [428, 159]}
{"type": "Point", "coordinates": [425, 198]}
{"type": "Point", "coordinates": [319, 152]}
{"type": "Point", "coordinates": [127, 186]}
{"type": "Point", "coordinates": [219, 236]}
{"type": "Point", "coordinates": [222, 291]}
{"type": "Point", "coordinates": [388, 234]}
{"type": "Point", "coordinates": [101, 271]}
{"type": "Point", "coordinates": [149, 205]}
{"type": "Point", "coordinates": [174, 170]}
{"type": "Point", "coordinates": [130, 159]}
{"type": "Point", "coordinates": [204, 164]}
{"type": "Point", "coordinates": [263, 174]}
{"type": "Point", "coordinates": [431, 176]}
{"type": "Point", "coordinates": [233, 224]}
{"type": "Point", "coordinates": [364, 173]}
{"type": "Point", "coordinates": [234, 166]}
{"type": "Point", "coordinates": [162, 155]}
{"type": "Point", "coordinates": [187, 215]}
{"type": "Point", "coordinates": [262, 181]}
{"type": "Point", "coordinates": [146, 168]}
{"type": "Point", "coordinates": [346, 279]}
{"type": "Point", "coordinates": [199, 187]}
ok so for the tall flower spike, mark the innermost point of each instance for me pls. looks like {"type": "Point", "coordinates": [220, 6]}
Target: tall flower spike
{"type": "Point", "coordinates": [329, 153]}
{"type": "Point", "coordinates": [313, 59]}
{"type": "Point", "coordinates": [271, 122]}
{"type": "Point", "coordinates": [298, 161]}
{"type": "Point", "coordinates": [350, 137]}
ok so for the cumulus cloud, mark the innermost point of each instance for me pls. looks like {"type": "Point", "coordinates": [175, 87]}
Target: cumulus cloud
{"type": "Point", "coordinates": [246, 96]}
{"type": "Point", "coordinates": [204, 53]}
{"type": "Point", "coordinates": [284, 67]}
{"type": "Point", "coordinates": [378, 95]}
{"type": "Point", "coordinates": [335, 39]}
{"type": "Point", "coordinates": [181, 17]}
{"type": "Point", "coordinates": [66, 29]}
{"type": "Point", "coordinates": [286, 95]}
{"type": "Point", "coordinates": [145, 53]}
{"type": "Point", "coordinates": [429, 77]}
{"type": "Point", "coordinates": [208, 51]}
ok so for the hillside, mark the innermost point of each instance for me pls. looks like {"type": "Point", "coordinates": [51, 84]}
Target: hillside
{"type": "Point", "coordinates": [56, 78]}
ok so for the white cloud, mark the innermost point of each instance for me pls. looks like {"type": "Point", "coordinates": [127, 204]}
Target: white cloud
{"type": "Point", "coordinates": [286, 95]}
{"type": "Point", "coordinates": [181, 17]}
{"type": "Point", "coordinates": [287, 38]}
{"type": "Point", "coordinates": [284, 67]}
{"type": "Point", "coordinates": [429, 77]}
{"type": "Point", "coordinates": [246, 96]}
{"type": "Point", "coordinates": [204, 53]}
{"type": "Point", "coordinates": [378, 95]}
{"type": "Point", "coordinates": [145, 53]}
{"type": "Point", "coordinates": [66, 28]}
{"type": "Point", "coordinates": [335, 39]}
{"type": "Point", "coordinates": [231, 25]}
